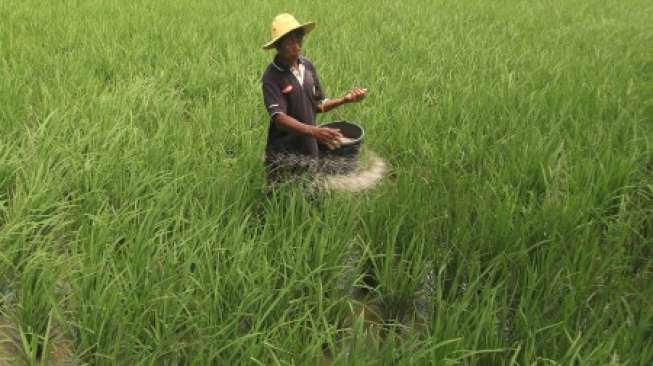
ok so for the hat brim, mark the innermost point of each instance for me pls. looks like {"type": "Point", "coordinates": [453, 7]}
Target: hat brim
{"type": "Point", "coordinates": [308, 27]}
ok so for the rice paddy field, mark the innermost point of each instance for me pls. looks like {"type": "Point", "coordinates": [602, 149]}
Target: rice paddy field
{"type": "Point", "coordinates": [513, 225]}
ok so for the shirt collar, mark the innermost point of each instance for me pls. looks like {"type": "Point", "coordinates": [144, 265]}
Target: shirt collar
{"type": "Point", "coordinates": [280, 65]}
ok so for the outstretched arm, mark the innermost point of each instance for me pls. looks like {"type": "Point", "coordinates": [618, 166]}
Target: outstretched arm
{"type": "Point", "coordinates": [352, 96]}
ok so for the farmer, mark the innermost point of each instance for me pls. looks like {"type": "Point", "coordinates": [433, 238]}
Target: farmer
{"type": "Point", "coordinates": [293, 95]}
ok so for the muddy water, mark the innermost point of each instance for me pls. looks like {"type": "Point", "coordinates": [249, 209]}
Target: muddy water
{"type": "Point", "coordinates": [367, 327]}
{"type": "Point", "coordinates": [8, 351]}
{"type": "Point", "coordinates": [60, 348]}
{"type": "Point", "coordinates": [372, 321]}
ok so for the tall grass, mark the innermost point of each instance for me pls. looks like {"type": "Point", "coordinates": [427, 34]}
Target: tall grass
{"type": "Point", "coordinates": [518, 134]}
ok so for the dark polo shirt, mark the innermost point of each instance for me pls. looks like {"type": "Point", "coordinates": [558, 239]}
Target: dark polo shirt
{"type": "Point", "coordinates": [282, 93]}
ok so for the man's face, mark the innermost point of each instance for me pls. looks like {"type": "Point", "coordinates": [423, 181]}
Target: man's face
{"type": "Point", "coordinates": [290, 46]}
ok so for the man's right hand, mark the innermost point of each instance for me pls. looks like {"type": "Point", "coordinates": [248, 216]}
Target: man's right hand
{"type": "Point", "coordinates": [328, 136]}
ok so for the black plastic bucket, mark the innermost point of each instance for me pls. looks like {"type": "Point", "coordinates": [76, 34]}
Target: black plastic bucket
{"type": "Point", "coordinates": [343, 159]}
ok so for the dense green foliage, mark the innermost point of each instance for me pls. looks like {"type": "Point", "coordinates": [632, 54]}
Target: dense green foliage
{"type": "Point", "coordinates": [133, 221]}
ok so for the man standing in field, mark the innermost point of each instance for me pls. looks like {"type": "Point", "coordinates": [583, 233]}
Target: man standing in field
{"type": "Point", "coordinates": [293, 96]}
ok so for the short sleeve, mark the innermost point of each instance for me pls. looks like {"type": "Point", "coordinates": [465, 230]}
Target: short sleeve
{"type": "Point", "coordinates": [275, 102]}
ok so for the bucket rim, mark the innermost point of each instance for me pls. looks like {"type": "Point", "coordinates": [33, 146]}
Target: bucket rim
{"type": "Point", "coordinates": [353, 141]}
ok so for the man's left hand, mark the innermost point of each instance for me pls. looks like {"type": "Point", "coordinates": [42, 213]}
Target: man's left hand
{"type": "Point", "coordinates": [355, 95]}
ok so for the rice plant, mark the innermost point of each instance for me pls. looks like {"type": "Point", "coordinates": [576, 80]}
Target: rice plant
{"type": "Point", "coordinates": [512, 223]}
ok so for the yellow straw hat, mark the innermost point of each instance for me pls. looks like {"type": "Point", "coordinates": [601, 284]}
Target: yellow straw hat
{"type": "Point", "coordinates": [283, 24]}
